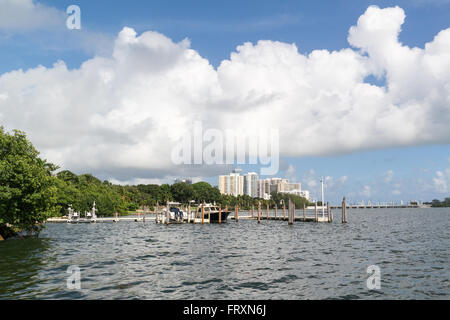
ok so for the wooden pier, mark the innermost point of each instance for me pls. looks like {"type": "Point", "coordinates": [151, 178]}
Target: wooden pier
{"type": "Point", "coordinates": [309, 214]}
{"type": "Point", "coordinates": [291, 215]}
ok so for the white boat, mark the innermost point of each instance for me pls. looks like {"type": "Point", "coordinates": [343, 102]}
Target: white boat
{"type": "Point", "coordinates": [90, 216]}
{"type": "Point", "coordinates": [74, 216]}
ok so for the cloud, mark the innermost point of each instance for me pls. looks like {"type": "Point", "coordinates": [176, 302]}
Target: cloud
{"type": "Point", "coordinates": [165, 180]}
{"type": "Point", "coordinates": [36, 25]}
{"type": "Point", "coordinates": [310, 179]}
{"type": "Point", "coordinates": [22, 15]}
{"type": "Point", "coordinates": [331, 182]}
{"type": "Point", "coordinates": [441, 181]}
{"type": "Point", "coordinates": [366, 191]}
{"type": "Point", "coordinates": [290, 172]}
{"type": "Point", "coordinates": [388, 176]}
{"type": "Point", "coordinates": [121, 114]}
{"type": "Point", "coordinates": [334, 188]}
{"type": "Point", "coordinates": [343, 179]}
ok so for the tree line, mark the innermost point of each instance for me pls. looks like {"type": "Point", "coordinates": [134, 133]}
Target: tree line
{"type": "Point", "coordinates": [437, 203]}
{"type": "Point", "coordinates": [81, 191]}
{"type": "Point", "coordinates": [31, 190]}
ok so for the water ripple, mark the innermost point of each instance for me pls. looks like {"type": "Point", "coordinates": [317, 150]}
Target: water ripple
{"type": "Point", "coordinates": [242, 260]}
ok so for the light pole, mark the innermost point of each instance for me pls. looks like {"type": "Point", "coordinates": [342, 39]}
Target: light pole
{"type": "Point", "coordinates": [323, 208]}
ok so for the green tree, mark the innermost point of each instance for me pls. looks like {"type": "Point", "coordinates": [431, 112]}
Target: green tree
{"type": "Point", "coordinates": [447, 202]}
{"type": "Point", "coordinates": [435, 203]}
{"type": "Point", "coordinates": [68, 176]}
{"type": "Point", "coordinates": [68, 194]}
{"type": "Point", "coordinates": [27, 187]}
{"type": "Point", "coordinates": [182, 192]}
{"type": "Point", "coordinates": [204, 192]}
{"type": "Point", "coordinates": [164, 194]}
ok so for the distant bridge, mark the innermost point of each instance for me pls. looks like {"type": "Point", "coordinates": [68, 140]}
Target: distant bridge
{"type": "Point", "coordinates": [379, 206]}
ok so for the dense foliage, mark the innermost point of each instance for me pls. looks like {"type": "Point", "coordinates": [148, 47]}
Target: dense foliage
{"type": "Point", "coordinates": [30, 192]}
{"type": "Point", "coordinates": [81, 191]}
{"type": "Point", "coordinates": [27, 190]}
{"type": "Point", "coordinates": [437, 203]}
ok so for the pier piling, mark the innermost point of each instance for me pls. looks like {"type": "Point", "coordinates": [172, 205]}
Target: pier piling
{"type": "Point", "coordinates": [157, 212]}
{"type": "Point", "coordinates": [344, 211]}
{"type": "Point", "coordinates": [315, 212]}
{"type": "Point", "coordinates": [291, 213]}
{"type": "Point", "coordinates": [329, 212]}
{"type": "Point", "coordinates": [259, 212]}
{"type": "Point", "coordinates": [220, 213]}
{"type": "Point", "coordinates": [203, 213]}
{"type": "Point", "coordinates": [189, 212]}
{"type": "Point", "coordinates": [168, 213]}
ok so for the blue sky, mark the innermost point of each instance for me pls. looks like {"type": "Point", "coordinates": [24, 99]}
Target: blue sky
{"type": "Point", "coordinates": [215, 29]}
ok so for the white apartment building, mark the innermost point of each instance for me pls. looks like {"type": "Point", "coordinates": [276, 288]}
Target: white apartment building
{"type": "Point", "coordinates": [224, 184]}
{"type": "Point", "coordinates": [231, 184]}
{"type": "Point", "coordinates": [236, 184]}
{"type": "Point", "coordinates": [250, 184]}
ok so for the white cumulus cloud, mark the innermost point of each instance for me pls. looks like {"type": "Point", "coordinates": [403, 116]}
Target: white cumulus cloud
{"type": "Point", "coordinates": [121, 114]}
{"type": "Point", "coordinates": [441, 181]}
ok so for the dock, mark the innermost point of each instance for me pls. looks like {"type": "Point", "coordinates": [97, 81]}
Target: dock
{"type": "Point", "coordinates": [272, 218]}
{"type": "Point", "coordinates": [100, 220]}
{"type": "Point", "coordinates": [291, 214]}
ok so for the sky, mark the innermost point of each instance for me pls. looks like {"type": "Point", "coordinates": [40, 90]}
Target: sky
{"type": "Point", "coordinates": [359, 90]}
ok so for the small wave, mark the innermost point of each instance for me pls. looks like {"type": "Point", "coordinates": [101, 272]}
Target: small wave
{"type": "Point", "coordinates": [191, 283]}
{"type": "Point", "coordinates": [254, 285]}
{"type": "Point", "coordinates": [285, 279]}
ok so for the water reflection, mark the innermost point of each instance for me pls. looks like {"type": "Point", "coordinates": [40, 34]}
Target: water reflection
{"type": "Point", "coordinates": [20, 264]}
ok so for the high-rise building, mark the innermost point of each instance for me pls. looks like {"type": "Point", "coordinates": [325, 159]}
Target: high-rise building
{"type": "Point", "coordinates": [224, 184]}
{"type": "Point", "coordinates": [236, 184]}
{"type": "Point", "coordinates": [250, 184]}
{"type": "Point", "coordinates": [232, 184]}
{"type": "Point", "coordinates": [261, 188]}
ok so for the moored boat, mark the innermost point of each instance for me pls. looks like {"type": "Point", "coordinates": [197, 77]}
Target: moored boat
{"type": "Point", "coordinates": [212, 211]}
